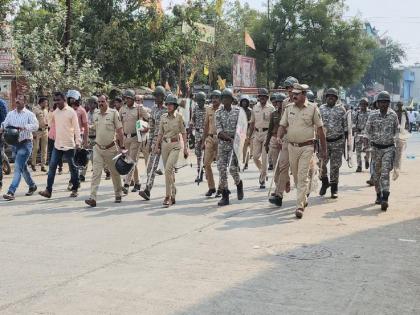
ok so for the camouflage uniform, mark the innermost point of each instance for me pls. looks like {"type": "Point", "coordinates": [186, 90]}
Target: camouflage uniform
{"type": "Point", "coordinates": [226, 121]}
{"type": "Point", "coordinates": [198, 116]}
{"type": "Point", "coordinates": [154, 122]}
{"type": "Point", "coordinates": [335, 123]}
{"type": "Point", "coordinates": [360, 120]}
{"type": "Point", "coordinates": [381, 131]}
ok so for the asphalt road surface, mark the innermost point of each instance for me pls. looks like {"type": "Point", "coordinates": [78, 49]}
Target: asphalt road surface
{"type": "Point", "coordinates": [344, 257]}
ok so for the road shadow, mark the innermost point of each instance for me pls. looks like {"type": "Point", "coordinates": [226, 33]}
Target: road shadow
{"type": "Point", "coordinates": [369, 272]}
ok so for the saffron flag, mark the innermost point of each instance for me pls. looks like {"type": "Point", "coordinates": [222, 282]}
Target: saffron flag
{"type": "Point", "coordinates": [249, 41]}
{"type": "Point", "coordinates": [219, 5]}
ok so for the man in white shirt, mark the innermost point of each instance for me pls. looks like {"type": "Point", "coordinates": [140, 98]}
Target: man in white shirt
{"type": "Point", "coordinates": [26, 122]}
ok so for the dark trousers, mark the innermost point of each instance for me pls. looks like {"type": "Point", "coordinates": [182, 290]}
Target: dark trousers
{"type": "Point", "coordinates": [1, 161]}
{"type": "Point", "coordinates": [56, 157]}
{"type": "Point", "coordinates": [49, 153]}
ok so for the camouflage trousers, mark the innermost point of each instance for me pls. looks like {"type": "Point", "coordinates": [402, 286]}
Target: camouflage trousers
{"type": "Point", "coordinates": [335, 152]}
{"type": "Point", "coordinates": [360, 148]}
{"type": "Point", "coordinates": [383, 160]}
{"type": "Point", "coordinates": [226, 155]}
{"type": "Point", "coordinates": [198, 150]}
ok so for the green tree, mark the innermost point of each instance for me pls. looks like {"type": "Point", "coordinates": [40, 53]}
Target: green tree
{"type": "Point", "coordinates": [311, 41]}
{"type": "Point", "coordinates": [382, 68]}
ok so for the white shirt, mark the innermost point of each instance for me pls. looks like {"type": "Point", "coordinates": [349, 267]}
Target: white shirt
{"type": "Point", "coordinates": [24, 119]}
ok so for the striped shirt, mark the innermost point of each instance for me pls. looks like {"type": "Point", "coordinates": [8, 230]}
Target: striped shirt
{"type": "Point", "coordinates": [24, 119]}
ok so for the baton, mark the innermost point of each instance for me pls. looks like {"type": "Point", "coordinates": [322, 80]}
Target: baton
{"type": "Point", "coordinates": [274, 175]}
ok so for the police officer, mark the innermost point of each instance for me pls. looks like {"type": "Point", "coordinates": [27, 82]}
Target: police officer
{"type": "Point", "coordinates": [197, 122]}
{"type": "Point", "coordinates": [210, 140]}
{"type": "Point", "coordinates": [168, 142]}
{"type": "Point", "coordinates": [280, 155]}
{"type": "Point", "coordinates": [288, 85]}
{"type": "Point", "coordinates": [245, 103]}
{"type": "Point", "coordinates": [401, 140]}
{"type": "Point", "coordinates": [300, 119]}
{"type": "Point", "coordinates": [130, 113]}
{"type": "Point", "coordinates": [310, 96]}
{"type": "Point", "coordinates": [226, 123]}
{"type": "Point", "coordinates": [360, 120]}
{"type": "Point", "coordinates": [108, 127]}
{"type": "Point", "coordinates": [260, 119]}
{"type": "Point", "coordinates": [334, 116]}
{"type": "Point", "coordinates": [41, 136]}
{"type": "Point", "coordinates": [158, 110]}
{"type": "Point", "coordinates": [381, 130]}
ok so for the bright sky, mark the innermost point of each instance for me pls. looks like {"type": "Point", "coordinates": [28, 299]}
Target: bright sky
{"type": "Point", "coordinates": [398, 19]}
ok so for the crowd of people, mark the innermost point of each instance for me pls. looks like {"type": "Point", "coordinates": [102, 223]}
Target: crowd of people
{"type": "Point", "coordinates": [286, 132]}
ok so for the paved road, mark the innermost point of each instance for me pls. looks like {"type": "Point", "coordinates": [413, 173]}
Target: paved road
{"type": "Point", "coordinates": [344, 257]}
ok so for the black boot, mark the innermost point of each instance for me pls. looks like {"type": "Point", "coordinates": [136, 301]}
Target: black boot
{"type": "Point", "coordinates": [276, 200]}
{"type": "Point", "coordinates": [210, 192]}
{"type": "Point", "coordinates": [218, 193]}
{"type": "Point", "coordinates": [240, 190]}
{"type": "Point", "coordinates": [359, 169]}
{"type": "Point", "coordinates": [225, 198]}
{"type": "Point", "coordinates": [384, 204]}
{"type": "Point", "coordinates": [378, 200]}
{"type": "Point", "coordinates": [324, 187]}
{"type": "Point", "coordinates": [334, 190]}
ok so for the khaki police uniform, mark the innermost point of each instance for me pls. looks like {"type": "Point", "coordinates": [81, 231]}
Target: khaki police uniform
{"type": "Point", "coordinates": [301, 124]}
{"type": "Point", "coordinates": [210, 152]}
{"type": "Point", "coordinates": [41, 135]}
{"type": "Point", "coordinates": [129, 117]}
{"type": "Point", "coordinates": [260, 116]}
{"type": "Point", "coordinates": [171, 126]}
{"type": "Point", "coordinates": [105, 150]}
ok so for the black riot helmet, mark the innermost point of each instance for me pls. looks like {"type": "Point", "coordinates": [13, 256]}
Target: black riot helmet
{"type": "Point", "coordinates": [11, 135]}
{"type": "Point", "coordinates": [123, 166]}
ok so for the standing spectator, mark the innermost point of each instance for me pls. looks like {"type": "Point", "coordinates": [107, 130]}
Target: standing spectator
{"type": "Point", "coordinates": [411, 119]}
{"type": "Point", "coordinates": [41, 135]}
{"type": "Point", "coordinates": [25, 121]}
{"type": "Point", "coordinates": [67, 139]}
{"type": "Point", "coordinates": [3, 114]}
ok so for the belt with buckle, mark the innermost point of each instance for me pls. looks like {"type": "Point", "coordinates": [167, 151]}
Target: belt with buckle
{"type": "Point", "coordinates": [106, 147]}
{"type": "Point", "coordinates": [42, 129]}
{"type": "Point", "coordinates": [199, 130]}
{"type": "Point", "coordinates": [382, 146]}
{"type": "Point", "coordinates": [302, 144]}
{"type": "Point", "coordinates": [335, 139]}
{"type": "Point", "coordinates": [171, 140]}
{"type": "Point", "coordinates": [261, 129]}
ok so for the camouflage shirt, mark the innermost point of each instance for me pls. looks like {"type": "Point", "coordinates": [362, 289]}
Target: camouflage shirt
{"type": "Point", "coordinates": [154, 120]}
{"type": "Point", "coordinates": [382, 129]}
{"type": "Point", "coordinates": [198, 116]}
{"type": "Point", "coordinates": [360, 120]}
{"type": "Point", "coordinates": [226, 121]}
{"type": "Point", "coordinates": [335, 120]}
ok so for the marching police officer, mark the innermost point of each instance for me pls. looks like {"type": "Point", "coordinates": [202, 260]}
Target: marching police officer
{"type": "Point", "coordinates": [381, 130]}
{"type": "Point", "coordinates": [226, 123]}
{"type": "Point", "coordinates": [280, 155]}
{"type": "Point", "coordinates": [108, 127]}
{"type": "Point", "coordinates": [40, 136]}
{"type": "Point", "coordinates": [245, 103]}
{"type": "Point", "coordinates": [130, 113]}
{"type": "Point", "coordinates": [210, 140]}
{"type": "Point", "coordinates": [260, 119]}
{"type": "Point", "coordinates": [334, 116]}
{"type": "Point", "coordinates": [168, 141]}
{"type": "Point", "coordinates": [360, 120]}
{"type": "Point", "coordinates": [197, 121]}
{"type": "Point", "coordinates": [158, 110]}
{"type": "Point", "coordinates": [300, 120]}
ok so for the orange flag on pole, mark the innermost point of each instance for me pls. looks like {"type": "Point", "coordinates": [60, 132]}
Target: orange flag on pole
{"type": "Point", "coordinates": [249, 41]}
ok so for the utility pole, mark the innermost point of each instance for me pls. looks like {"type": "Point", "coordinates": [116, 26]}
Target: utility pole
{"type": "Point", "coordinates": [269, 48]}
{"type": "Point", "coordinates": [67, 33]}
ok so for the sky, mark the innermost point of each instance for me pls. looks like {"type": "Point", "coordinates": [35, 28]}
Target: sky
{"type": "Point", "coordinates": [398, 19]}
